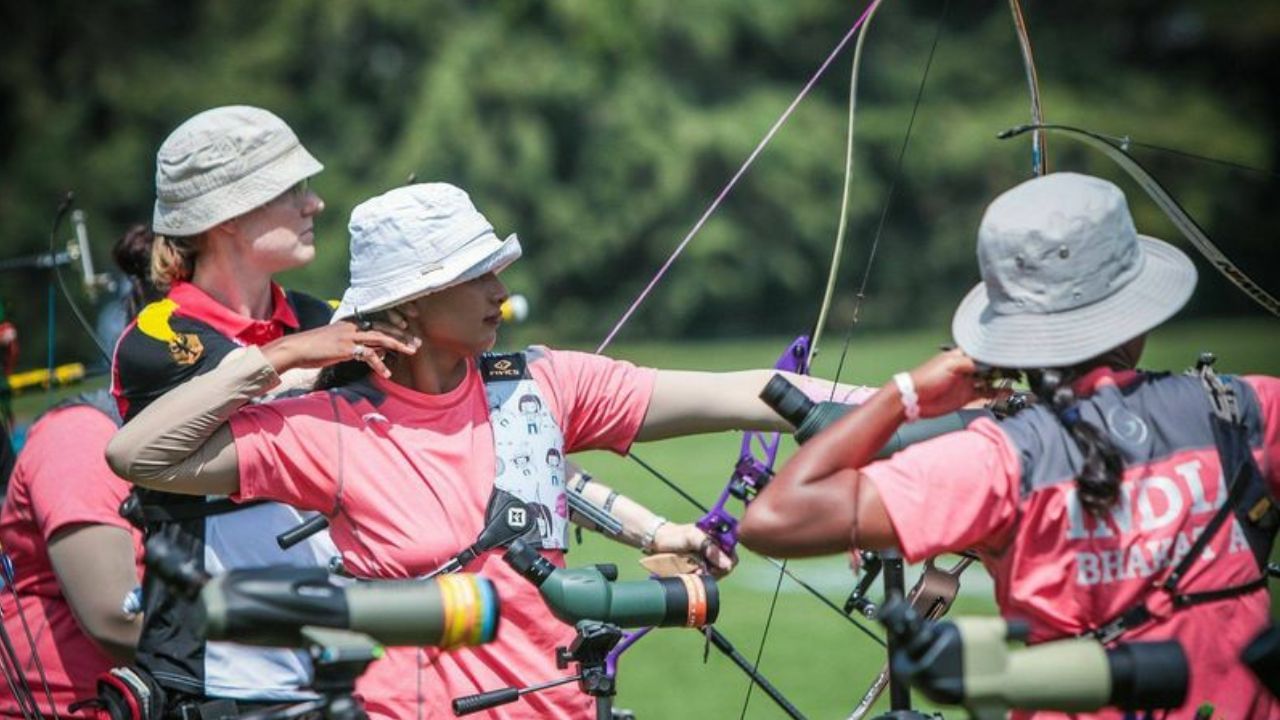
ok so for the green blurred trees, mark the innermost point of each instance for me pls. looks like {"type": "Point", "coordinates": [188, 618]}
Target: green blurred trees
{"type": "Point", "coordinates": [599, 131]}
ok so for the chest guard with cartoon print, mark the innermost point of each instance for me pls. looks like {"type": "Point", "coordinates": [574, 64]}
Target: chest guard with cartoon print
{"type": "Point", "coordinates": [528, 447]}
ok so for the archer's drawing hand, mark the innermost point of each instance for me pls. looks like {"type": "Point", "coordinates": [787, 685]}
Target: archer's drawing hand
{"type": "Point", "coordinates": [340, 342]}
{"type": "Point", "coordinates": [690, 540]}
{"type": "Point", "coordinates": [948, 381]}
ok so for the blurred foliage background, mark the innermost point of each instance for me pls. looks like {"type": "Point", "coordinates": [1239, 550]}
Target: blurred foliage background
{"type": "Point", "coordinates": [598, 130]}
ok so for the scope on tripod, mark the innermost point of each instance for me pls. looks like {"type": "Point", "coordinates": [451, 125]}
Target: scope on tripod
{"type": "Point", "coordinates": [969, 662]}
{"type": "Point", "coordinates": [595, 593]}
{"type": "Point", "coordinates": [270, 606]}
{"type": "Point", "coordinates": [811, 418]}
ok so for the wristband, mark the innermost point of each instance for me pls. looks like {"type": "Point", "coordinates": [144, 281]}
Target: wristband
{"type": "Point", "coordinates": [907, 390]}
{"type": "Point", "coordinates": [646, 541]}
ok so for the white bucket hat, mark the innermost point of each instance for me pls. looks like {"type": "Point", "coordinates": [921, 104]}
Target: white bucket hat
{"type": "Point", "coordinates": [221, 164]}
{"type": "Point", "coordinates": [416, 240]}
{"type": "Point", "coordinates": [1065, 276]}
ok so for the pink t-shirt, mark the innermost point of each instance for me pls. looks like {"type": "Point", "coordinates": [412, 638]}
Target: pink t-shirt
{"type": "Point", "coordinates": [405, 478]}
{"type": "Point", "coordinates": [61, 480]}
{"type": "Point", "coordinates": [1065, 573]}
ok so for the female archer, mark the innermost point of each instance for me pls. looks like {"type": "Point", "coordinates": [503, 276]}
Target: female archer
{"type": "Point", "coordinates": [398, 448]}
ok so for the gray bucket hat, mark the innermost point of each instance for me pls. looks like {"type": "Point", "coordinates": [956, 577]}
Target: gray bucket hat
{"type": "Point", "coordinates": [1066, 277]}
{"type": "Point", "coordinates": [415, 240]}
{"type": "Point", "coordinates": [221, 164]}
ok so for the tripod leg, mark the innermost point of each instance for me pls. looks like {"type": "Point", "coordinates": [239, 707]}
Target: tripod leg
{"type": "Point", "coordinates": [723, 645]}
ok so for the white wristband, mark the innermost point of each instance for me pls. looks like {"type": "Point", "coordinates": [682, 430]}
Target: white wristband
{"type": "Point", "coordinates": [650, 535]}
{"type": "Point", "coordinates": [910, 401]}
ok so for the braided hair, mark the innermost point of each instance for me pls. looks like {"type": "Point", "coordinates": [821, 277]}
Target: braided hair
{"type": "Point", "coordinates": [1098, 482]}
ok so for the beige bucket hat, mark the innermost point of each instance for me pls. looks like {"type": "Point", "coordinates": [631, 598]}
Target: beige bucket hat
{"type": "Point", "coordinates": [221, 164]}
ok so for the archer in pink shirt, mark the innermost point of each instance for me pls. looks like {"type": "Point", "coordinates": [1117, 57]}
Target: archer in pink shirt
{"type": "Point", "coordinates": [61, 490]}
{"type": "Point", "coordinates": [1082, 505]}
{"type": "Point", "coordinates": [398, 448]}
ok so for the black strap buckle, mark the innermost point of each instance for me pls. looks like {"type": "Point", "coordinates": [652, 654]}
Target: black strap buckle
{"type": "Point", "coordinates": [1129, 619]}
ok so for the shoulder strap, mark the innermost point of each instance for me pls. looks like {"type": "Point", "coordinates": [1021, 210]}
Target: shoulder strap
{"type": "Point", "coordinates": [1247, 498]}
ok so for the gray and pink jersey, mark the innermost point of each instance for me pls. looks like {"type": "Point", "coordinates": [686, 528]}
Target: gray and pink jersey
{"type": "Point", "coordinates": [1007, 490]}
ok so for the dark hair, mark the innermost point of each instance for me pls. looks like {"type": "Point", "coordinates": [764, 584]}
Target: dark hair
{"type": "Point", "coordinates": [132, 254]}
{"type": "Point", "coordinates": [1099, 480]}
{"type": "Point", "coordinates": [350, 371]}
{"type": "Point", "coordinates": [344, 373]}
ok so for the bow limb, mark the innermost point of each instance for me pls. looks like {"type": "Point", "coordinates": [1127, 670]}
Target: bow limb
{"type": "Point", "coordinates": [842, 227]}
{"type": "Point", "coordinates": [1039, 159]}
{"type": "Point", "coordinates": [1186, 225]}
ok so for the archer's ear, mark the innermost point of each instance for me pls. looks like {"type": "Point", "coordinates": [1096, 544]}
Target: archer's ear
{"type": "Point", "coordinates": [222, 232]}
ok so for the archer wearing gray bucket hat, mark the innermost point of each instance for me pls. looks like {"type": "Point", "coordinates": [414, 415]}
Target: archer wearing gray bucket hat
{"type": "Point", "coordinates": [222, 163]}
{"type": "Point", "coordinates": [1065, 276]}
{"type": "Point", "coordinates": [1074, 501]}
{"type": "Point", "coordinates": [418, 239]}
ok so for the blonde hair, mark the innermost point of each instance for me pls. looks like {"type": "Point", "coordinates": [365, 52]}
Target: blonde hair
{"type": "Point", "coordinates": [173, 259]}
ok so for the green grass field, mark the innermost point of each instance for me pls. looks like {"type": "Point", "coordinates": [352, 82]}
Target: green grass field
{"type": "Point", "coordinates": [816, 658]}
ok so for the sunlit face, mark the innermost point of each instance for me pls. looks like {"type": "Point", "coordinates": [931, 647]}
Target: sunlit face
{"type": "Point", "coordinates": [279, 235]}
{"type": "Point", "coordinates": [464, 318]}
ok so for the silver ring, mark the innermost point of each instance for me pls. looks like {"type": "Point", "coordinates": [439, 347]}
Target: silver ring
{"type": "Point", "coordinates": [358, 351]}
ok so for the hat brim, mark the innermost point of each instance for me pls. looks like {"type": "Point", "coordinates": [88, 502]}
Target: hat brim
{"type": "Point", "coordinates": [1060, 339]}
{"type": "Point", "coordinates": [489, 254]}
{"type": "Point", "coordinates": [198, 214]}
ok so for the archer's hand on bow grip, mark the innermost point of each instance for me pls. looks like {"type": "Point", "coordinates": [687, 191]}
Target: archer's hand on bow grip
{"type": "Point", "coordinates": [691, 545]}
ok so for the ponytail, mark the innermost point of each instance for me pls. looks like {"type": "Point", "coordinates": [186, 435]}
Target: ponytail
{"type": "Point", "coordinates": [132, 254]}
{"type": "Point", "coordinates": [173, 259]}
{"type": "Point", "coordinates": [1099, 480]}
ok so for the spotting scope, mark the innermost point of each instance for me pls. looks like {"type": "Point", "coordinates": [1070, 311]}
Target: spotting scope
{"type": "Point", "coordinates": [270, 606]}
{"type": "Point", "coordinates": [811, 418]}
{"type": "Point", "coordinates": [595, 593]}
{"type": "Point", "coordinates": [969, 662]}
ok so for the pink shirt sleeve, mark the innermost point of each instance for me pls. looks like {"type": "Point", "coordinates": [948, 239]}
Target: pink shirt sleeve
{"type": "Point", "coordinates": [1267, 389]}
{"type": "Point", "coordinates": [74, 485]}
{"type": "Point", "coordinates": [281, 455]}
{"type": "Point", "coordinates": [601, 402]}
{"type": "Point", "coordinates": [951, 493]}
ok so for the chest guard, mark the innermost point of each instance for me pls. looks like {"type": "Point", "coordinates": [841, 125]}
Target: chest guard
{"type": "Point", "coordinates": [528, 448]}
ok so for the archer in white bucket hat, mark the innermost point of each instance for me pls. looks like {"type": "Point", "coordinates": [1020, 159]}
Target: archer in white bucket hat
{"type": "Point", "coordinates": [415, 240]}
{"type": "Point", "coordinates": [1065, 276]}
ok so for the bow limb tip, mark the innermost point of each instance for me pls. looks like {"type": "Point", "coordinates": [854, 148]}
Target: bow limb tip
{"type": "Point", "coordinates": [1016, 131]}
